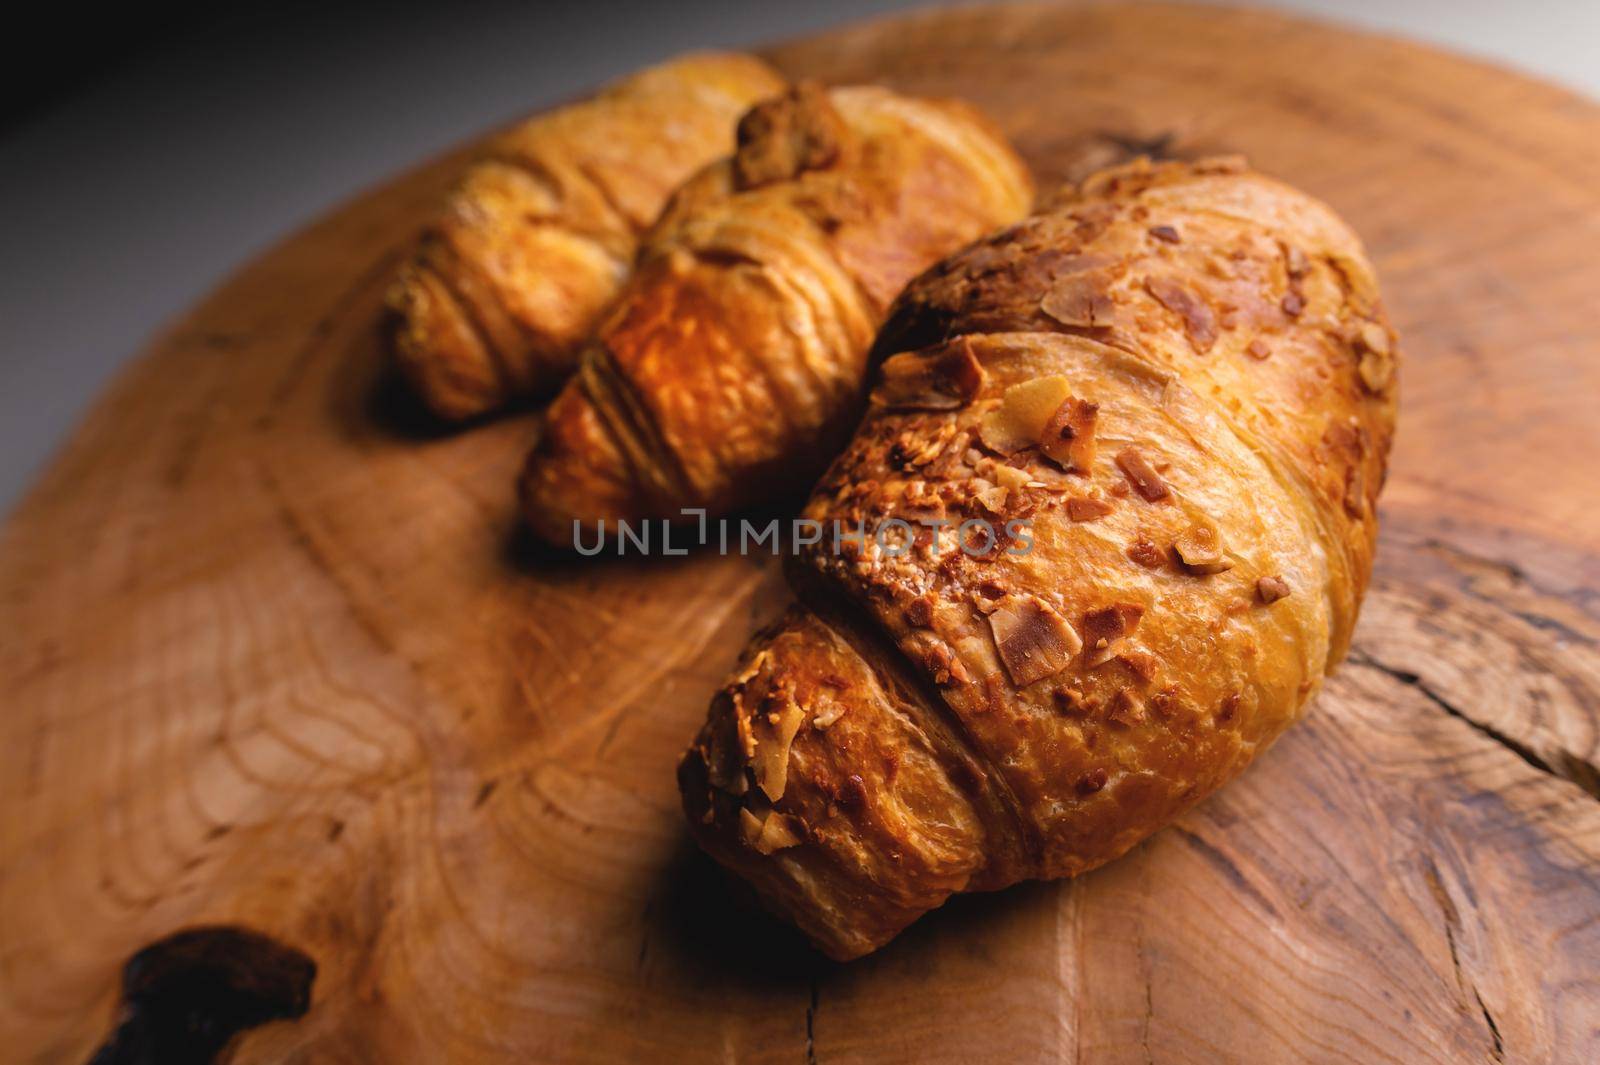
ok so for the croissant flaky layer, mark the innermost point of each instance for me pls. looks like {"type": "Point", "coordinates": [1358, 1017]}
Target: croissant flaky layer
{"type": "Point", "coordinates": [732, 363]}
{"type": "Point", "coordinates": [1163, 407]}
{"type": "Point", "coordinates": [508, 283]}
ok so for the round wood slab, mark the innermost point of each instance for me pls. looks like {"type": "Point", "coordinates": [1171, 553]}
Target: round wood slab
{"type": "Point", "coordinates": [275, 658]}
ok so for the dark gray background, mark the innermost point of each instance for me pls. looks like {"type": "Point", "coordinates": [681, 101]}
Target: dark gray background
{"type": "Point", "coordinates": [126, 196]}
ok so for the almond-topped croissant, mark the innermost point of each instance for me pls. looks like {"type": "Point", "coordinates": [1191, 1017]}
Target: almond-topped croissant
{"type": "Point", "coordinates": [1155, 418]}
{"type": "Point", "coordinates": [732, 366]}
{"type": "Point", "coordinates": [539, 235]}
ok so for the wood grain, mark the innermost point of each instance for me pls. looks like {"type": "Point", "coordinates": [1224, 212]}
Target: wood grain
{"type": "Point", "coordinates": [275, 657]}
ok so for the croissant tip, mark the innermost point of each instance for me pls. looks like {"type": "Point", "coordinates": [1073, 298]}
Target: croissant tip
{"type": "Point", "coordinates": [574, 476]}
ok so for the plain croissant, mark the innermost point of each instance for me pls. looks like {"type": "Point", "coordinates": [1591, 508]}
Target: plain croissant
{"type": "Point", "coordinates": [538, 237]}
{"type": "Point", "coordinates": [733, 362]}
{"type": "Point", "coordinates": [1170, 396]}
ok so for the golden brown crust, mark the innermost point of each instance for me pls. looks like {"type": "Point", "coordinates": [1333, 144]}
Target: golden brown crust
{"type": "Point", "coordinates": [734, 357]}
{"type": "Point", "coordinates": [535, 241]}
{"type": "Point", "coordinates": [1199, 532]}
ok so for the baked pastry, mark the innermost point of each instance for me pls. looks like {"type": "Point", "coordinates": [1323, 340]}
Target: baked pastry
{"type": "Point", "coordinates": [732, 366]}
{"type": "Point", "coordinates": [1164, 407]}
{"type": "Point", "coordinates": [538, 237]}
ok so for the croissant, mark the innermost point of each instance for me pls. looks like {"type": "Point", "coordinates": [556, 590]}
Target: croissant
{"type": "Point", "coordinates": [1154, 419]}
{"type": "Point", "coordinates": [732, 364]}
{"type": "Point", "coordinates": [538, 236]}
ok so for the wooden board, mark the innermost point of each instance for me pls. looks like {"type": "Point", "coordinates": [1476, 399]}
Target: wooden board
{"type": "Point", "coordinates": [274, 656]}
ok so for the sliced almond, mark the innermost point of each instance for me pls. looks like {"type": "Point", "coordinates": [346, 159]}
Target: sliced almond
{"type": "Point", "coordinates": [993, 499]}
{"type": "Point", "coordinates": [1085, 508]}
{"type": "Point", "coordinates": [1146, 553]}
{"type": "Point", "coordinates": [831, 712]}
{"type": "Point", "coordinates": [1011, 477]}
{"type": "Point", "coordinates": [1107, 623]}
{"type": "Point", "coordinates": [1105, 629]}
{"type": "Point", "coordinates": [1102, 651]}
{"type": "Point", "coordinates": [1142, 475]}
{"type": "Point", "coordinates": [1270, 589]}
{"type": "Point", "coordinates": [1199, 321]}
{"type": "Point", "coordinates": [1295, 261]}
{"type": "Point", "coordinates": [1200, 548]}
{"type": "Point", "coordinates": [945, 380]}
{"type": "Point", "coordinates": [1374, 338]}
{"type": "Point", "coordinates": [771, 762]}
{"type": "Point", "coordinates": [749, 826]}
{"type": "Point", "coordinates": [1068, 435]}
{"type": "Point", "coordinates": [1355, 492]}
{"type": "Point", "coordinates": [1127, 708]}
{"type": "Point", "coordinates": [1081, 300]}
{"type": "Point", "coordinates": [1019, 421]}
{"type": "Point", "coordinates": [1141, 663]}
{"type": "Point", "coordinates": [1376, 371]}
{"type": "Point", "coordinates": [1033, 640]}
{"type": "Point", "coordinates": [771, 831]}
{"type": "Point", "coordinates": [919, 612]}
{"type": "Point", "coordinates": [779, 832]}
{"type": "Point", "coordinates": [1070, 701]}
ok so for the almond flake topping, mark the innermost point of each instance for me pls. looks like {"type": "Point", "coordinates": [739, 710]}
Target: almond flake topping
{"type": "Point", "coordinates": [830, 713]}
{"type": "Point", "coordinates": [947, 380]}
{"type": "Point", "coordinates": [774, 832]}
{"type": "Point", "coordinates": [1374, 338]}
{"type": "Point", "coordinates": [1295, 261]}
{"type": "Point", "coordinates": [770, 763]}
{"type": "Point", "coordinates": [1068, 436]}
{"type": "Point", "coordinates": [1199, 322]}
{"type": "Point", "coordinates": [1143, 476]}
{"type": "Point", "coordinates": [992, 498]}
{"type": "Point", "coordinates": [1270, 589]}
{"type": "Point", "coordinates": [1033, 640]}
{"type": "Point", "coordinates": [1070, 701]}
{"type": "Point", "coordinates": [919, 613]}
{"type": "Point", "coordinates": [1375, 372]}
{"type": "Point", "coordinates": [1127, 708]}
{"type": "Point", "coordinates": [1376, 365]}
{"type": "Point", "coordinates": [1085, 508]}
{"type": "Point", "coordinates": [1146, 553]}
{"type": "Point", "coordinates": [1141, 663]}
{"type": "Point", "coordinates": [1112, 622]}
{"type": "Point", "coordinates": [1105, 629]}
{"type": "Point", "coordinates": [1081, 300]}
{"type": "Point", "coordinates": [1355, 492]}
{"type": "Point", "coordinates": [1011, 477]}
{"type": "Point", "coordinates": [1200, 548]}
{"type": "Point", "coordinates": [1024, 411]}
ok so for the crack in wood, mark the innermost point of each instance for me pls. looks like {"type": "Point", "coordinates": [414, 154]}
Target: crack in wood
{"type": "Point", "coordinates": [1147, 978]}
{"type": "Point", "coordinates": [1498, 1046]}
{"type": "Point", "coordinates": [1225, 865]}
{"type": "Point", "coordinates": [811, 1023]}
{"type": "Point", "coordinates": [1452, 924]}
{"type": "Point", "coordinates": [1581, 775]}
{"type": "Point", "coordinates": [1464, 562]}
